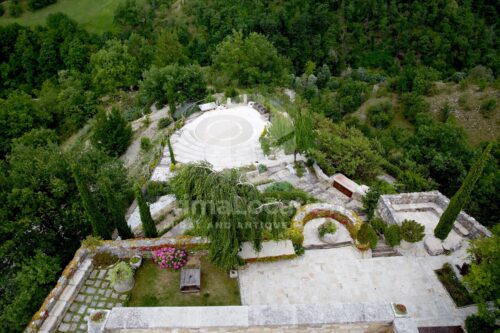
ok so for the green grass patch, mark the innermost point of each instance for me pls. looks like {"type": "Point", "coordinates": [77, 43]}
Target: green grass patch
{"type": "Point", "coordinates": [160, 287]}
{"type": "Point", "coordinates": [455, 288]}
{"type": "Point", "coordinates": [95, 16]}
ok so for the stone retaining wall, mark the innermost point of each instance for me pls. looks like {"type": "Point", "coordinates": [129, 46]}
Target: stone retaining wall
{"type": "Point", "coordinates": [363, 317]}
{"type": "Point", "coordinates": [386, 211]}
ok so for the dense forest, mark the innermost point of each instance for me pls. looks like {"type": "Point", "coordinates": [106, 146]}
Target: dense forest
{"type": "Point", "coordinates": [56, 78]}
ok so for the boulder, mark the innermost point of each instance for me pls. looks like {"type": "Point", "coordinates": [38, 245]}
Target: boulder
{"type": "Point", "coordinates": [452, 242]}
{"type": "Point", "coordinates": [433, 245]}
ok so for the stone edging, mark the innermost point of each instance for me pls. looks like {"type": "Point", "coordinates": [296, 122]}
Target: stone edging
{"type": "Point", "coordinates": [254, 316]}
{"type": "Point", "coordinates": [386, 211]}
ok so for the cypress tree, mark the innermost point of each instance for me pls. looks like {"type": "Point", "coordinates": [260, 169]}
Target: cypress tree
{"type": "Point", "coordinates": [462, 196]}
{"type": "Point", "coordinates": [148, 225]}
{"type": "Point", "coordinates": [97, 220]}
{"type": "Point", "coordinates": [115, 209]}
{"type": "Point", "coordinates": [171, 151]}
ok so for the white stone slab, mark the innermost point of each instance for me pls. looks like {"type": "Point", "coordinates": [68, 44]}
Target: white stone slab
{"type": "Point", "coordinates": [269, 249]}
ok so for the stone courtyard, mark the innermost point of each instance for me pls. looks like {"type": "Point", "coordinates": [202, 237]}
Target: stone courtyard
{"type": "Point", "coordinates": [96, 293]}
{"type": "Point", "coordinates": [341, 276]}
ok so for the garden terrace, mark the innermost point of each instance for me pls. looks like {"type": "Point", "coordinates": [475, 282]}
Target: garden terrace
{"type": "Point", "coordinates": [426, 208]}
{"type": "Point", "coordinates": [160, 287]}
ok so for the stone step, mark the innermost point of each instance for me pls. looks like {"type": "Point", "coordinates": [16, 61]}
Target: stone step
{"type": "Point", "coordinates": [326, 246]}
{"type": "Point", "coordinates": [385, 253]}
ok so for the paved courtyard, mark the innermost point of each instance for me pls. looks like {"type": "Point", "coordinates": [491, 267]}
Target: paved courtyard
{"type": "Point", "coordinates": [340, 276]}
{"type": "Point", "coordinates": [95, 294]}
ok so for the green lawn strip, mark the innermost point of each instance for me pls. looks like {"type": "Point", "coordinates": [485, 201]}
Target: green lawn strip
{"type": "Point", "coordinates": [95, 16]}
{"type": "Point", "coordinates": [157, 287]}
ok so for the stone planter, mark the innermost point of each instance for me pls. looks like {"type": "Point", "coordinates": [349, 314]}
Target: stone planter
{"type": "Point", "coordinates": [399, 310]}
{"type": "Point", "coordinates": [97, 326]}
{"type": "Point", "coordinates": [330, 238]}
{"type": "Point", "coordinates": [136, 261]}
{"type": "Point", "coordinates": [405, 245]}
{"type": "Point", "coordinates": [124, 286]}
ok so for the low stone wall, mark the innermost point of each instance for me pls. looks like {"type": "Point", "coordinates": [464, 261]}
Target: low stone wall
{"type": "Point", "coordinates": [364, 317]}
{"type": "Point", "coordinates": [271, 250]}
{"type": "Point", "coordinates": [53, 309]}
{"type": "Point", "coordinates": [57, 302]}
{"type": "Point", "coordinates": [385, 210]}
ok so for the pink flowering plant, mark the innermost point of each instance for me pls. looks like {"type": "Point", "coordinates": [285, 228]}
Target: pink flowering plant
{"type": "Point", "coordinates": [170, 257]}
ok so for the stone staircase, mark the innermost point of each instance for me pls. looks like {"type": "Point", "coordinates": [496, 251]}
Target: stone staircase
{"type": "Point", "coordinates": [384, 250]}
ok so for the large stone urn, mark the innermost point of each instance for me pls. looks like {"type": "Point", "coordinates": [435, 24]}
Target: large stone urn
{"type": "Point", "coordinates": [121, 277]}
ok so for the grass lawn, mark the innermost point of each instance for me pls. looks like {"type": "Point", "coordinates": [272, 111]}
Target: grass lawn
{"type": "Point", "coordinates": [160, 287]}
{"type": "Point", "coordinates": [95, 16]}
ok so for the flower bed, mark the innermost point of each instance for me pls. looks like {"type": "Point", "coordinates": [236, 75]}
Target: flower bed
{"type": "Point", "coordinates": [454, 286]}
{"type": "Point", "coordinates": [170, 257]}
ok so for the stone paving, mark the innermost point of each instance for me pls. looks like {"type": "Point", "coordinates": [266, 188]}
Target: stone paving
{"type": "Point", "coordinates": [96, 293]}
{"type": "Point", "coordinates": [341, 276]}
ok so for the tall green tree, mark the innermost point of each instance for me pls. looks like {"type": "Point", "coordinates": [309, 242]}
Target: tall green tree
{"type": "Point", "coordinates": [249, 61]}
{"type": "Point", "coordinates": [148, 224]}
{"type": "Point", "coordinates": [97, 220]}
{"type": "Point", "coordinates": [168, 49]}
{"type": "Point", "coordinates": [113, 68]}
{"type": "Point", "coordinates": [462, 197]}
{"type": "Point", "coordinates": [112, 133]}
{"type": "Point", "coordinates": [304, 132]}
{"type": "Point", "coordinates": [114, 205]}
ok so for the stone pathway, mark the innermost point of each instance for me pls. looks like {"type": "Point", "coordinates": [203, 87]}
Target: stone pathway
{"type": "Point", "coordinates": [96, 293]}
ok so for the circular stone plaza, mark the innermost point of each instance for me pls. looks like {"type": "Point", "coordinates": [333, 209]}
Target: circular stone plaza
{"type": "Point", "coordinates": [225, 137]}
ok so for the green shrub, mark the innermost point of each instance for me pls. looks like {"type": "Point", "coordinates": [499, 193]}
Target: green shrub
{"type": "Point", "coordinates": [296, 195]}
{"type": "Point", "coordinates": [371, 198]}
{"type": "Point", "coordinates": [154, 190]}
{"type": "Point", "coordinates": [475, 323]}
{"type": "Point", "coordinates": [231, 92]}
{"type": "Point", "coordinates": [378, 225]}
{"type": "Point", "coordinates": [296, 236]}
{"type": "Point", "coordinates": [299, 169]}
{"type": "Point", "coordinates": [366, 235]}
{"type": "Point", "coordinates": [120, 273]}
{"type": "Point", "coordinates": [104, 259]}
{"type": "Point", "coordinates": [328, 227]}
{"type": "Point", "coordinates": [455, 288]}
{"type": "Point", "coordinates": [413, 105]}
{"type": "Point", "coordinates": [279, 187]}
{"type": "Point", "coordinates": [92, 242]}
{"type": "Point", "coordinates": [487, 107]}
{"type": "Point", "coordinates": [262, 168]}
{"type": "Point", "coordinates": [411, 231]}
{"type": "Point", "coordinates": [265, 143]}
{"type": "Point", "coordinates": [380, 115]}
{"type": "Point", "coordinates": [146, 143]}
{"type": "Point", "coordinates": [164, 122]}
{"type": "Point", "coordinates": [392, 235]}
{"type": "Point", "coordinates": [15, 9]}
{"type": "Point", "coordinates": [2, 10]}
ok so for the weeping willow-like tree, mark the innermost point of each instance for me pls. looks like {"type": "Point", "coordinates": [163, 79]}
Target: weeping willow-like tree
{"type": "Point", "coordinates": [228, 210]}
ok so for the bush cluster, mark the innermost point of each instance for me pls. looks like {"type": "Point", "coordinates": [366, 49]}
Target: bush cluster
{"type": "Point", "coordinates": [328, 227]}
{"type": "Point", "coordinates": [411, 231]}
{"type": "Point", "coordinates": [393, 235]}
{"type": "Point", "coordinates": [366, 235]}
{"type": "Point", "coordinates": [121, 272]}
